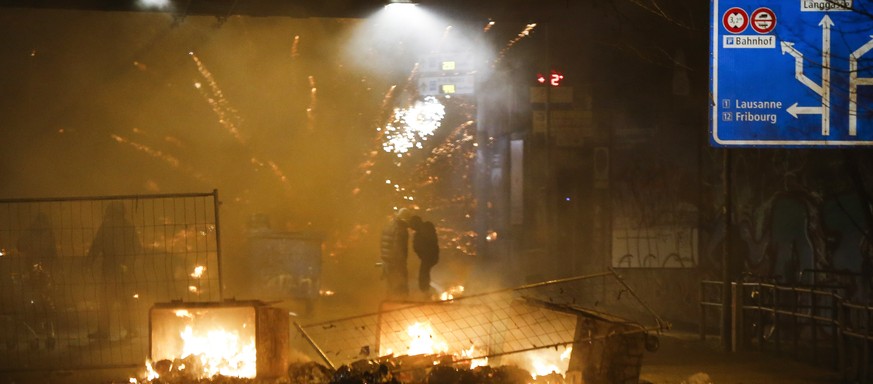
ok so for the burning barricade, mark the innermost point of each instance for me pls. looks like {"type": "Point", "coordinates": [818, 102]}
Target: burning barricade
{"type": "Point", "coordinates": [489, 338]}
{"type": "Point", "coordinates": [564, 331]}
{"type": "Point", "coordinates": [232, 339]}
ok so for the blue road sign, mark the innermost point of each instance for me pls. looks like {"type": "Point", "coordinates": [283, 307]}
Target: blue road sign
{"type": "Point", "coordinates": [791, 73]}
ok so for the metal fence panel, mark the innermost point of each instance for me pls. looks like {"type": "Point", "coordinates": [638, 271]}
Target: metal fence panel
{"type": "Point", "coordinates": [497, 326]}
{"type": "Point", "coordinates": [78, 275]}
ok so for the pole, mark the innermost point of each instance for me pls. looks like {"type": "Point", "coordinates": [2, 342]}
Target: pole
{"type": "Point", "coordinates": [216, 204]}
{"type": "Point", "coordinates": [726, 311]}
{"type": "Point", "coordinates": [551, 190]}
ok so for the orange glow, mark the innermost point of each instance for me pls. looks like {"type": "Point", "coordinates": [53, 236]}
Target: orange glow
{"type": "Point", "coordinates": [198, 272]}
{"type": "Point", "coordinates": [218, 346]}
{"type": "Point", "coordinates": [424, 342]}
{"type": "Point", "coordinates": [452, 292]}
{"type": "Point", "coordinates": [544, 362]}
{"type": "Point", "coordinates": [221, 352]}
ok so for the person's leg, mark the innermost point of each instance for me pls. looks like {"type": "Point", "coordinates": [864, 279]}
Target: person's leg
{"type": "Point", "coordinates": [105, 299]}
{"type": "Point", "coordinates": [126, 312]}
{"type": "Point", "coordinates": [424, 276]}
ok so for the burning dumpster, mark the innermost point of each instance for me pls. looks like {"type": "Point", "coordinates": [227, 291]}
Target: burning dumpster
{"type": "Point", "coordinates": [244, 339]}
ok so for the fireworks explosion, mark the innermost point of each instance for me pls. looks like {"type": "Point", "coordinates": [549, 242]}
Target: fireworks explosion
{"type": "Point", "coordinates": [412, 126]}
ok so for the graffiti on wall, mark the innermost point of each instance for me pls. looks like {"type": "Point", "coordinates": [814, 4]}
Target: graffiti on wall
{"type": "Point", "coordinates": [798, 218]}
{"type": "Point", "coordinates": [654, 247]}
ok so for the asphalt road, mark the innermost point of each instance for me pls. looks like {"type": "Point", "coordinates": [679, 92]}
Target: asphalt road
{"type": "Point", "coordinates": [684, 358]}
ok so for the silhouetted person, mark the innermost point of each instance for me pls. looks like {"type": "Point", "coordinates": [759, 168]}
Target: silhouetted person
{"type": "Point", "coordinates": [426, 246]}
{"type": "Point", "coordinates": [394, 253]}
{"type": "Point", "coordinates": [116, 245]}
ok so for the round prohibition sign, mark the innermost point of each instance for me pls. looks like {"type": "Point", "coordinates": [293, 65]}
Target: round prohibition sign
{"type": "Point", "coordinates": [763, 20]}
{"type": "Point", "coordinates": [735, 20]}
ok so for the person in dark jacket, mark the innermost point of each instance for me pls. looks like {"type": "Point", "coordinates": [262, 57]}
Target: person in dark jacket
{"type": "Point", "coordinates": [426, 246]}
{"type": "Point", "coordinates": [114, 249]}
{"type": "Point", "coordinates": [394, 252]}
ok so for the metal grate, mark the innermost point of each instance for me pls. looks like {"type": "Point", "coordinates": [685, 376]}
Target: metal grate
{"type": "Point", "coordinates": [494, 325]}
{"type": "Point", "coordinates": [72, 266]}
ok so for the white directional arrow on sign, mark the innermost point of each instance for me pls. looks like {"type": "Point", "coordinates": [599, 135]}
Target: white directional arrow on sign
{"type": "Point", "coordinates": [854, 82]}
{"type": "Point", "coordinates": [794, 110]}
{"type": "Point", "coordinates": [823, 90]}
{"type": "Point", "coordinates": [826, 25]}
{"type": "Point", "coordinates": [798, 66]}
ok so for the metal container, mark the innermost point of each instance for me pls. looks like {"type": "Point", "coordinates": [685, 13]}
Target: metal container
{"type": "Point", "coordinates": [251, 336]}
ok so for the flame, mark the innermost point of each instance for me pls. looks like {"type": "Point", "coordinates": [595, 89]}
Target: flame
{"type": "Point", "coordinates": [221, 352]}
{"type": "Point", "coordinates": [547, 361]}
{"type": "Point", "coordinates": [151, 374]}
{"type": "Point", "coordinates": [198, 271]}
{"type": "Point", "coordinates": [208, 350]}
{"type": "Point", "coordinates": [469, 353]}
{"type": "Point", "coordinates": [183, 313]}
{"type": "Point", "coordinates": [452, 292]}
{"type": "Point", "coordinates": [424, 342]}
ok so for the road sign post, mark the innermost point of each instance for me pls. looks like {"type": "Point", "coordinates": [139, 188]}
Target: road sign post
{"type": "Point", "coordinates": [791, 74]}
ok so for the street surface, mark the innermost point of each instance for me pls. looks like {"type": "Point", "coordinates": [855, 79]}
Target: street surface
{"type": "Point", "coordinates": [684, 358]}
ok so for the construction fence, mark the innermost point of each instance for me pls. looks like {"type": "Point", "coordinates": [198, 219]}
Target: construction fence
{"type": "Point", "coordinates": [78, 275]}
{"type": "Point", "coordinates": [567, 325]}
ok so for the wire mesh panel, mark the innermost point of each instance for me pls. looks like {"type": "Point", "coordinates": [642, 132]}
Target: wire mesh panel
{"type": "Point", "coordinates": [78, 275]}
{"type": "Point", "coordinates": [444, 327]}
{"type": "Point", "coordinates": [500, 326]}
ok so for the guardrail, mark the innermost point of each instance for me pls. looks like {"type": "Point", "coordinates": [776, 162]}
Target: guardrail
{"type": "Point", "coordinates": [807, 322]}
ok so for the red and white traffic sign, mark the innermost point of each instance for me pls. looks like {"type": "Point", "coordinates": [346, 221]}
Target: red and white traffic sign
{"type": "Point", "coordinates": [763, 20]}
{"type": "Point", "coordinates": [735, 20]}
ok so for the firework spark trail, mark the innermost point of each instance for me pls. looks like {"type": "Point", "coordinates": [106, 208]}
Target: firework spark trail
{"type": "Point", "coordinates": [521, 35]}
{"type": "Point", "coordinates": [450, 145]}
{"type": "Point", "coordinates": [405, 194]}
{"type": "Point", "coordinates": [227, 115]}
{"type": "Point", "coordinates": [389, 117]}
{"type": "Point", "coordinates": [369, 161]}
{"type": "Point", "coordinates": [279, 174]}
{"type": "Point", "coordinates": [158, 154]}
{"type": "Point", "coordinates": [453, 145]}
{"type": "Point", "coordinates": [386, 105]}
{"type": "Point", "coordinates": [411, 78]}
{"type": "Point", "coordinates": [488, 26]}
{"type": "Point", "coordinates": [274, 169]}
{"type": "Point", "coordinates": [313, 100]}
{"type": "Point", "coordinates": [443, 38]}
{"type": "Point", "coordinates": [294, 47]}
{"type": "Point", "coordinates": [220, 105]}
{"type": "Point", "coordinates": [459, 144]}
